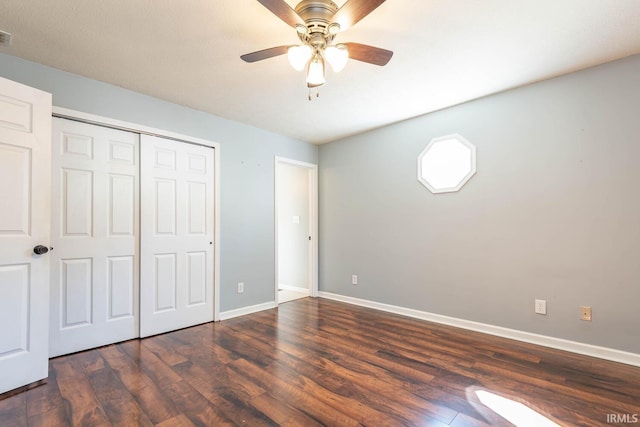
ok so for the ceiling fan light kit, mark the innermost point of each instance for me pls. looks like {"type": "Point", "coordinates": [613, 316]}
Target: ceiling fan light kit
{"type": "Point", "coordinates": [317, 22]}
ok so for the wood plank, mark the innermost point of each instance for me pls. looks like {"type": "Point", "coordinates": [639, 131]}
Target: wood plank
{"type": "Point", "coordinates": [374, 383]}
{"type": "Point", "coordinates": [82, 404]}
{"type": "Point", "coordinates": [182, 394]}
{"type": "Point", "coordinates": [195, 407]}
{"type": "Point", "coordinates": [345, 400]}
{"type": "Point", "coordinates": [45, 405]}
{"type": "Point", "coordinates": [220, 392]}
{"type": "Point", "coordinates": [162, 348]}
{"type": "Point", "coordinates": [149, 395]}
{"type": "Point", "coordinates": [281, 412]}
{"type": "Point", "coordinates": [89, 360]}
{"type": "Point", "coordinates": [289, 391]}
{"type": "Point", "coordinates": [177, 421]}
{"type": "Point", "coordinates": [119, 405]}
{"type": "Point", "coordinates": [13, 409]}
{"type": "Point", "coordinates": [54, 417]}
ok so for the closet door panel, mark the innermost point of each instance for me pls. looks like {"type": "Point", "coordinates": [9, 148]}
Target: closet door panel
{"type": "Point", "coordinates": [176, 235]}
{"type": "Point", "coordinates": [95, 233]}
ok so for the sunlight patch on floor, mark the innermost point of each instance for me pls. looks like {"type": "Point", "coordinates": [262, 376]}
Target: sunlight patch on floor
{"type": "Point", "coordinates": [286, 295]}
{"type": "Point", "coordinates": [514, 412]}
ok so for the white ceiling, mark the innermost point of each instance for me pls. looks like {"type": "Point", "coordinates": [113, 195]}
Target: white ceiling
{"type": "Point", "coordinates": [445, 52]}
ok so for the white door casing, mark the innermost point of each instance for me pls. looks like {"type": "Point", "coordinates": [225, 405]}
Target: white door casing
{"type": "Point", "coordinates": [177, 235]}
{"type": "Point", "coordinates": [25, 135]}
{"type": "Point", "coordinates": [95, 231]}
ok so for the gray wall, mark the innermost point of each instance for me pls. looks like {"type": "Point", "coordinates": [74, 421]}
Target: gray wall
{"type": "Point", "coordinates": [552, 213]}
{"type": "Point", "coordinates": [247, 168]}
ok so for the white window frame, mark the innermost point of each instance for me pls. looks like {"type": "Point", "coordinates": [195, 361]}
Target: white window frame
{"type": "Point", "coordinates": [463, 180]}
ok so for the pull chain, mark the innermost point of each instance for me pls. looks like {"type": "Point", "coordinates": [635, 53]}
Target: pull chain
{"type": "Point", "coordinates": [317, 93]}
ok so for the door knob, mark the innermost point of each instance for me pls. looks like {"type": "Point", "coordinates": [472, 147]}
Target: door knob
{"type": "Point", "coordinates": [40, 250]}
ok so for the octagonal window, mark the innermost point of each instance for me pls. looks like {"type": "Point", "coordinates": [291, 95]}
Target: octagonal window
{"type": "Point", "coordinates": [447, 163]}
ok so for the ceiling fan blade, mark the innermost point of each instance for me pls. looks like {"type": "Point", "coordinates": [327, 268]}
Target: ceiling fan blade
{"type": "Point", "coordinates": [283, 11]}
{"type": "Point", "coordinates": [365, 53]}
{"type": "Point", "coordinates": [353, 11]}
{"type": "Point", "coordinates": [264, 54]}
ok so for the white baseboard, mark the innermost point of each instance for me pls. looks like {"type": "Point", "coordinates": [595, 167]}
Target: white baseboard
{"type": "Point", "coordinates": [225, 315]}
{"type": "Point", "coordinates": [528, 337]}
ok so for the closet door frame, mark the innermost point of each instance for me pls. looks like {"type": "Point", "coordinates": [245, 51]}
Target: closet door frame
{"type": "Point", "coordinates": [146, 130]}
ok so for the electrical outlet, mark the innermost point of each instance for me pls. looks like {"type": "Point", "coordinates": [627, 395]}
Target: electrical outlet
{"type": "Point", "coordinates": [541, 306]}
{"type": "Point", "coordinates": [585, 313]}
{"type": "Point", "coordinates": [354, 279]}
{"type": "Point", "coordinates": [240, 287]}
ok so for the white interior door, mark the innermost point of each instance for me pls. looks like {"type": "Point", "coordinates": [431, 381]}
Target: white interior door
{"type": "Point", "coordinates": [177, 218]}
{"type": "Point", "coordinates": [95, 229]}
{"type": "Point", "coordinates": [25, 135]}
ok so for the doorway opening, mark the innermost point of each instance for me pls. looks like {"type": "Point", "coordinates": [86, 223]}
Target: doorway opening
{"type": "Point", "coordinates": [296, 230]}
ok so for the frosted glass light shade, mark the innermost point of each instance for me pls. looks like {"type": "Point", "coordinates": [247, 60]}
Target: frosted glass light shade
{"type": "Point", "coordinates": [299, 56]}
{"type": "Point", "coordinates": [337, 56]}
{"type": "Point", "coordinates": [315, 76]}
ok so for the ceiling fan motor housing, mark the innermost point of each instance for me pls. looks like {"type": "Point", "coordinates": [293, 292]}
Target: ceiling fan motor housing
{"type": "Point", "coordinates": [317, 15]}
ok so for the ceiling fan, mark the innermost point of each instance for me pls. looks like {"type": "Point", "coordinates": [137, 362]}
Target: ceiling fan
{"type": "Point", "coordinates": [317, 23]}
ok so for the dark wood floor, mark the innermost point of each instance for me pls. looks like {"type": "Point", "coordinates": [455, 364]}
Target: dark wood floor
{"type": "Point", "coordinates": [318, 362]}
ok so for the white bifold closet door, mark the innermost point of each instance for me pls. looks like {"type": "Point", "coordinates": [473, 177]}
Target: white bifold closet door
{"type": "Point", "coordinates": [95, 229]}
{"type": "Point", "coordinates": [177, 226]}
